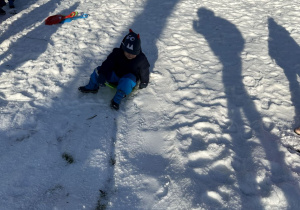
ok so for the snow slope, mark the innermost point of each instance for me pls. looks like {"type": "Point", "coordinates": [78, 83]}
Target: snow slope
{"type": "Point", "coordinates": [213, 130]}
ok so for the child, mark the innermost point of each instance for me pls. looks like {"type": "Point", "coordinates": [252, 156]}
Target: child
{"type": "Point", "coordinates": [3, 3]}
{"type": "Point", "coordinates": [124, 67]}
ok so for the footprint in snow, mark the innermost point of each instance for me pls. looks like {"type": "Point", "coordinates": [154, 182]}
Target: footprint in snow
{"type": "Point", "coordinates": [249, 81]}
{"type": "Point", "coordinates": [265, 103]}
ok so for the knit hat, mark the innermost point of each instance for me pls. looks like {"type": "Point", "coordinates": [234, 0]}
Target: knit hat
{"type": "Point", "coordinates": [132, 43]}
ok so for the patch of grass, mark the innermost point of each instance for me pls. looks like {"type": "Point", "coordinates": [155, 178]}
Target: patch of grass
{"type": "Point", "coordinates": [68, 158]}
{"type": "Point", "coordinates": [112, 161]}
{"type": "Point", "coordinates": [100, 204]}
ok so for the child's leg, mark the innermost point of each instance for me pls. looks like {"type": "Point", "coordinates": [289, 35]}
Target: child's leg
{"type": "Point", "coordinates": [93, 83]}
{"type": "Point", "coordinates": [98, 78]}
{"type": "Point", "coordinates": [127, 83]}
{"type": "Point", "coordinates": [113, 78]}
{"type": "Point", "coordinates": [125, 87]}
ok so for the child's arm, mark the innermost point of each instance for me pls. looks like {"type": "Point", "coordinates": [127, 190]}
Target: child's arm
{"type": "Point", "coordinates": [144, 75]}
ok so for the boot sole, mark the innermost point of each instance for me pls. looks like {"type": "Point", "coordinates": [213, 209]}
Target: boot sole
{"type": "Point", "coordinates": [83, 90]}
{"type": "Point", "coordinates": [94, 92]}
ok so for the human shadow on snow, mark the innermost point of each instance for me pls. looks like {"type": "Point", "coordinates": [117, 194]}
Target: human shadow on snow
{"type": "Point", "coordinates": [227, 43]}
{"type": "Point", "coordinates": [152, 21]}
{"type": "Point", "coordinates": [35, 42]}
{"type": "Point", "coordinates": [20, 5]}
{"type": "Point", "coordinates": [286, 52]}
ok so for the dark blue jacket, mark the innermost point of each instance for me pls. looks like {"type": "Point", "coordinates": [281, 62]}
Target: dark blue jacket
{"type": "Point", "coordinates": [118, 63]}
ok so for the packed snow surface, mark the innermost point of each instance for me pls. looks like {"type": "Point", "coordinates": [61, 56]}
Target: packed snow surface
{"type": "Point", "coordinates": [213, 130]}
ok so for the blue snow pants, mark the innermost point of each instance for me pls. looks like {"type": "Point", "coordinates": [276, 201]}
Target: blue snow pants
{"type": "Point", "coordinates": [125, 84]}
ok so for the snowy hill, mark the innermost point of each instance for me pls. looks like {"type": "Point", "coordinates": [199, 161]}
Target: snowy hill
{"type": "Point", "coordinates": [213, 130]}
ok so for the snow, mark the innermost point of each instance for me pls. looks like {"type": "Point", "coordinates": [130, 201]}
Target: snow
{"type": "Point", "coordinates": [213, 130]}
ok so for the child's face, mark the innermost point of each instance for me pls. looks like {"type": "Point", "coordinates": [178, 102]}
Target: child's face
{"type": "Point", "coordinates": [129, 56]}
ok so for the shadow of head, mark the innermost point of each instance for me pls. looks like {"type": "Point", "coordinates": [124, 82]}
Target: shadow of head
{"type": "Point", "coordinates": [205, 13]}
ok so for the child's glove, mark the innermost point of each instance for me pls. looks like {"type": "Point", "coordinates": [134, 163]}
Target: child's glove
{"type": "Point", "coordinates": [143, 85]}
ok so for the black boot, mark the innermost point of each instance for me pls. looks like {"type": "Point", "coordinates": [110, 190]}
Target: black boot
{"type": "Point", "coordinates": [116, 101]}
{"type": "Point", "coordinates": [83, 89]}
{"type": "Point", "coordinates": [11, 4]}
{"type": "Point", "coordinates": [114, 105]}
{"type": "Point", "coordinates": [2, 12]}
